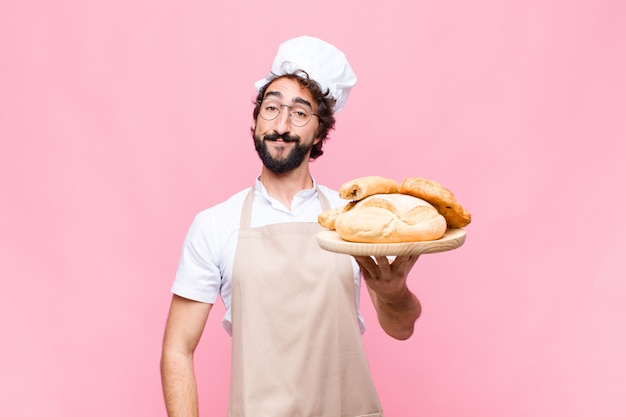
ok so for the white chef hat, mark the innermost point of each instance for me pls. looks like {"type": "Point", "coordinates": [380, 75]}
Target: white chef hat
{"type": "Point", "coordinates": [322, 61]}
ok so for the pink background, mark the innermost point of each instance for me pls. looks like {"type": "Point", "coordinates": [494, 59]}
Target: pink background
{"type": "Point", "coordinates": [119, 120]}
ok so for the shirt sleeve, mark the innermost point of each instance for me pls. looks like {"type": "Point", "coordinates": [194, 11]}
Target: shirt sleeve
{"type": "Point", "coordinates": [198, 276]}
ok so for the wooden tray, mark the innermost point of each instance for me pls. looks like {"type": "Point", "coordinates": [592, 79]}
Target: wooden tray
{"type": "Point", "coordinates": [330, 241]}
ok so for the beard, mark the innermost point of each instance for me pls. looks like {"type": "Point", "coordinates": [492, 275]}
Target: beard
{"type": "Point", "coordinates": [284, 164]}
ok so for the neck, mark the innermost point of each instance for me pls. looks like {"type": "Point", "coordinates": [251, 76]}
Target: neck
{"type": "Point", "coordinates": [284, 187]}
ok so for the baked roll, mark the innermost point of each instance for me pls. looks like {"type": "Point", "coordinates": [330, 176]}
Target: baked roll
{"type": "Point", "coordinates": [440, 197]}
{"type": "Point", "coordinates": [360, 188]}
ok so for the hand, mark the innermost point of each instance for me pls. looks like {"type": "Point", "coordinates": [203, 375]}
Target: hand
{"type": "Point", "coordinates": [387, 279]}
{"type": "Point", "coordinates": [397, 307]}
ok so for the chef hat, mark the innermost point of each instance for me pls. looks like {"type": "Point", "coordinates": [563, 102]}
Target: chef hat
{"type": "Point", "coordinates": [322, 61]}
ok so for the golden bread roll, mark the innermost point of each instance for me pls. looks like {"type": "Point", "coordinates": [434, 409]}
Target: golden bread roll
{"type": "Point", "coordinates": [360, 188]}
{"type": "Point", "coordinates": [390, 218]}
{"type": "Point", "coordinates": [438, 196]}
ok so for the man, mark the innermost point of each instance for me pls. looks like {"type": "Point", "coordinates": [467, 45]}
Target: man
{"type": "Point", "coordinates": [292, 308]}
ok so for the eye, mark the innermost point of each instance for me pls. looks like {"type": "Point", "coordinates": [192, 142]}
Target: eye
{"type": "Point", "coordinates": [300, 113]}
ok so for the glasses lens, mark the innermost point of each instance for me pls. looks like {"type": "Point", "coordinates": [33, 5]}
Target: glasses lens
{"type": "Point", "coordinates": [269, 109]}
{"type": "Point", "coordinates": [299, 115]}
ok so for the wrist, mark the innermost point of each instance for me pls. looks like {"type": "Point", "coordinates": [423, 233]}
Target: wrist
{"type": "Point", "coordinates": [398, 298]}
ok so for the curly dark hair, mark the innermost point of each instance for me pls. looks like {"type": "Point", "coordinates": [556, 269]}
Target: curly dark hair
{"type": "Point", "coordinates": [325, 107]}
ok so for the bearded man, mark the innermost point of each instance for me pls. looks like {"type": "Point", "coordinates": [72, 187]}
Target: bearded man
{"type": "Point", "coordinates": [291, 307]}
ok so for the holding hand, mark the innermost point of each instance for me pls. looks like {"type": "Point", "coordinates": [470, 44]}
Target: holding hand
{"type": "Point", "coordinates": [396, 306]}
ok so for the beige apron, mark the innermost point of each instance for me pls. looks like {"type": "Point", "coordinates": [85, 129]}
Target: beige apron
{"type": "Point", "coordinates": [296, 343]}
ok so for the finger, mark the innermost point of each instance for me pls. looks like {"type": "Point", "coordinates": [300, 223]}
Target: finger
{"type": "Point", "coordinates": [383, 263]}
{"type": "Point", "coordinates": [366, 264]}
{"type": "Point", "coordinates": [405, 261]}
{"type": "Point", "coordinates": [365, 261]}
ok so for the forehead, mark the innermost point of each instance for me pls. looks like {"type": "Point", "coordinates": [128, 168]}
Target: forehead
{"type": "Point", "coordinates": [289, 90]}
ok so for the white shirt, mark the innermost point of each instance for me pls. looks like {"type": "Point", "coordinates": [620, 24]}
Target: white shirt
{"type": "Point", "coordinates": [206, 262]}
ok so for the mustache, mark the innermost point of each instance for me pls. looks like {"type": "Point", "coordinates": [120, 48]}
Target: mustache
{"type": "Point", "coordinates": [286, 137]}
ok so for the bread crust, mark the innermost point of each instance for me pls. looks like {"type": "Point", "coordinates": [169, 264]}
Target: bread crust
{"type": "Point", "coordinates": [440, 197]}
{"type": "Point", "coordinates": [379, 220]}
{"type": "Point", "coordinates": [360, 188]}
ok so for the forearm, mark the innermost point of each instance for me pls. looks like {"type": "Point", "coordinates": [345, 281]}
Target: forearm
{"type": "Point", "coordinates": [397, 313]}
{"type": "Point", "coordinates": [179, 384]}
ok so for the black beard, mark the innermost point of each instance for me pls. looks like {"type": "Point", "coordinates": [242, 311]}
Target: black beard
{"type": "Point", "coordinates": [289, 162]}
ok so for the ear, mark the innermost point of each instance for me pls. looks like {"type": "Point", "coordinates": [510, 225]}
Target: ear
{"type": "Point", "coordinates": [316, 141]}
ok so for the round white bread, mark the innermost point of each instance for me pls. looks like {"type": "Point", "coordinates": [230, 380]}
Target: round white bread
{"type": "Point", "coordinates": [390, 218]}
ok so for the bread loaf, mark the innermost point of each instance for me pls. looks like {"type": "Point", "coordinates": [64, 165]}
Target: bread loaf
{"type": "Point", "coordinates": [390, 218]}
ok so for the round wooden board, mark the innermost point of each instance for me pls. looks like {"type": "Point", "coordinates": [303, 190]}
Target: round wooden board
{"type": "Point", "coordinates": [330, 241]}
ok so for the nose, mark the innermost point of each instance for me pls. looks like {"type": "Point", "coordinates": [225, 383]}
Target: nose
{"type": "Point", "coordinates": [283, 122]}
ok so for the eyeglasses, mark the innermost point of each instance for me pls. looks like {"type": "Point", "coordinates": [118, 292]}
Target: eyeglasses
{"type": "Point", "coordinates": [299, 114]}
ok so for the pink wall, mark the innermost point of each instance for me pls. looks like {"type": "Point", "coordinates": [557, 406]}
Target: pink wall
{"type": "Point", "coordinates": [119, 120]}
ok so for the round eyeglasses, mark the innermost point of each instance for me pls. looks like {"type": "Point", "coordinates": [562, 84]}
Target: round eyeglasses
{"type": "Point", "coordinates": [299, 114]}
